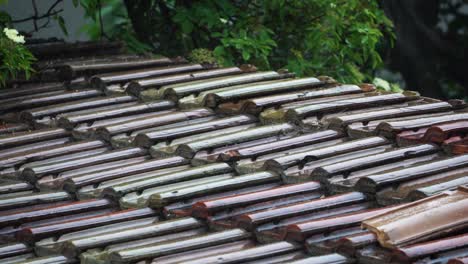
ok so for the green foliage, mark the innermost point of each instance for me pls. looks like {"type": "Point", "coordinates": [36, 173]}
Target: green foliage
{"type": "Point", "coordinates": [15, 59]}
{"type": "Point", "coordinates": [336, 38]}
{"type": "Point", "coordinates": [203, 56]}
{"type": "Point", "coordinates": [109, 20]}
{"type": "Point", "coordinates": [319, 37]}
{"type": "Point", "coordinates": [252, 47]}
{"type": "Point", "coordinates": [313, 37]}
{"type": "Point", "coordinates": [386, 86]}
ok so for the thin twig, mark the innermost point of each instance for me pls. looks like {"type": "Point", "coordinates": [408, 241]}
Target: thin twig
{"type": "Point", "coordinates": [36, 17]}
{"type": "Point", "coordinates": [35, 13]}
{"type": "Point", "coordinates": [54, 5]}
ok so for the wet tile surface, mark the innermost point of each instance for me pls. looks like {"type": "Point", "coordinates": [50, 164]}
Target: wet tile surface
{"type": "Point", "coordinates": [114, 158]}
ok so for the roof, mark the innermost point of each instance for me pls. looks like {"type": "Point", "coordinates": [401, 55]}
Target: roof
{"type": "Point", "coordinates": [107, 157]}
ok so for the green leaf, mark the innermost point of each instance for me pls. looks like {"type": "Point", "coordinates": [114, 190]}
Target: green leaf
{"type": "Point", "coordinates": [245, 55]}
{"type": "Point", "coordinates": [382, 84]}
{"type": "Point", "coordinates": [396, 88]}
{"type": "Point", "coordinates": [62, 25]}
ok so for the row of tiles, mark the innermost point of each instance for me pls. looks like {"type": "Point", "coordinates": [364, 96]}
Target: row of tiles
{"type": "Point", "coordinates": [177, 241]}
{"type": "Point", "coordinates": [243, 84]}
{"type": "Point", "coordinates": [325, 225]}
{"type": "Point", "coordinates": [371, 165]}
{"type": "Point", "coordinates": [163, 125]}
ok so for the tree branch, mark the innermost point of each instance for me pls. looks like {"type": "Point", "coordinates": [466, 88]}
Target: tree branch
{"type": "Point", "coordinates": [37, 17]}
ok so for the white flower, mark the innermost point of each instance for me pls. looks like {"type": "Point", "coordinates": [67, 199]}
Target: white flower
{"type": "Point", "coordinates": [224, 21]}
{"type": "Point", "coordinates": [13, 35]}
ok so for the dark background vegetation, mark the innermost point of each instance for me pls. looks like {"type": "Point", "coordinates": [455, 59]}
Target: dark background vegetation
{"type": "Point", "coordinates": [419, 44]}
{"type": "Point", "coordinates": [431, 47]}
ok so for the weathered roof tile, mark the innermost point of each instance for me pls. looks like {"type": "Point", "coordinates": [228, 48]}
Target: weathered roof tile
{"type": "Point", "coordinates": [408, 224]}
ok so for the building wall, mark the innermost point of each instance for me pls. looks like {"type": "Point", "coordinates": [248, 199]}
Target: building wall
{"type": "Point", "coordinates": [74, 18]}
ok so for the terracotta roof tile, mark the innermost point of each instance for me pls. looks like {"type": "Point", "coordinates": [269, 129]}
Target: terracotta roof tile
{"type": "Point", "coordinates": [408, 224]}
{"type": "Point", "coordinates": [234, 147]}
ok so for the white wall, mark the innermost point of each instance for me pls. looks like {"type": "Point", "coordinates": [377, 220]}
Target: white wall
{"type": "Point", "coordinates": [72, 15]}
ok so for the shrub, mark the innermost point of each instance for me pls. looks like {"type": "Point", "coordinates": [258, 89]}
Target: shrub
{"type": "Point", "coordinates": [313, 37]}
{"type": "Point", "coordinates": [15, 58]}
